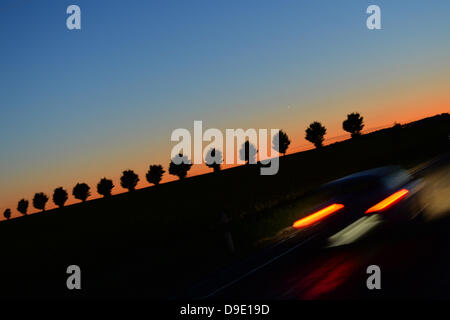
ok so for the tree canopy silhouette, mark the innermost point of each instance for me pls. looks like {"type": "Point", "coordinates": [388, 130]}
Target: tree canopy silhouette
{"type": "Point", "coordinates": [214, 159]}
{"type": "Point", "coordinates": [315, 134]}
{"type": "Point", "coordinates": [60, 197]}
{"type": "Point", "coordinates": [22, 206]}
{"type": "Point", "coordinates": [104, 187]}
{"type": "Point", "coordinates": [7, 213]}
{"type": "Point", "coordinates": [281, 142]}
{"type": "Point", "coordinates": [353, 124]}
{"type": "Point", "coordinates": [248, 152]}
{"type": "Point", "coordinates": [40, 200]}
{"type": "Point", "coordinates": [81, 191]}
{"type": "Point", "coordinates": [154, 174]}
{"type": "Point", "coordinates": [129, 180]}
{"type": "Point", "coordinates": [179, 166]}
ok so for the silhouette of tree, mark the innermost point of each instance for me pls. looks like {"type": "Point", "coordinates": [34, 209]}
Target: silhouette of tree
{"type": "Point", "coordinates": [129, 180]}
{"type": "Point", "coordinates": [104, 187]}
{"type": "Point", "coordinates": [315, 134]}
{"type": "Point", "coordinates": [81, 191]}
{"type": "Point", "coordinates": [281, 142]}
{"type": "Point", "coordinates": [154, 174]}
{"type": "Point", "coordinates": [248, 152]}
{"type": "Point", "coordinates": [396, 130]}
{"type": "Point", "coordinates": [22, 206]}
{"type": "Point", "coordinates": [7, 213]}
{"type": "Point", "coordinates": [179, 166]}
{"type": "Point", "coordinates": [40, 200]}
{"type": "Point", "coordinates": [60, 197]}
{"type": "Point", "coordinates": [214, 159]}
{"type": "Point", "coordinates": [353, 124]}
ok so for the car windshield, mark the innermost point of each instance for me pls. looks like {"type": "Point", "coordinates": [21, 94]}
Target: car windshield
{"type": "Point", "coordinates": [352, 186]}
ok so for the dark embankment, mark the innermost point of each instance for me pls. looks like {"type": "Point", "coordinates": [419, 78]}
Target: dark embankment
{"type": "Point", "coordinates": [151, 241]}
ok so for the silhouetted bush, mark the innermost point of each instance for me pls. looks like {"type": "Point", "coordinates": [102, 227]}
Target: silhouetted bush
{"type": "Point", "coordinates": [179, 166]}
{"type": "Point", "coordinates": [22, 206]}
{"type": "Point", "coordinates": [40, 200]}
{"type": "Point", "coordinates": [214, 159]}
{"type": "Point", "coordinates": [81, 191]}
{"type": "Point", "coordinates": [248, 152]}
{"type": "Point", "coordinates": [281, 142]}
{"type": "Point", "coordinates": [315, 134]}
{"type": "Point", "coordinates": [397, 126]}
{"type": "Point", "coordinates": [353, 124]}
{"type": "Point", "coordinates": [60, 197]}
{"type": "Point", "coordinates": [104, 187]}
{"type": "Point", "coordinates": [7, 213]}
{"type": "Point", "coordinates": [129, 180]}
{"type": "Point", "coordinates": [154, 174]}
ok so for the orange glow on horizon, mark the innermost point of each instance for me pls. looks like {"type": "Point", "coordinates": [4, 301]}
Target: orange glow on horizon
{"type": "Point", "coordinates": [317, 216]}
{"type": "Point", "coordinates": [11, 195]}
{"type": "Point", "coordinates": [389, 201]}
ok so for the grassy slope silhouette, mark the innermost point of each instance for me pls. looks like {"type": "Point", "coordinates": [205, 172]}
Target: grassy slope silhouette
{"type": "Point", "coordinates": [170, 234]}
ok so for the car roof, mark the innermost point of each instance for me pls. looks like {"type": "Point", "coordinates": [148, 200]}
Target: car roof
{"type": "Point", "coordinates": [377, 173]}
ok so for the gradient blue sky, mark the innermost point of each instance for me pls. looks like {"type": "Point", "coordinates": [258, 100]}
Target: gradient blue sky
{"type": "Point", "coordinates": [79, 105]}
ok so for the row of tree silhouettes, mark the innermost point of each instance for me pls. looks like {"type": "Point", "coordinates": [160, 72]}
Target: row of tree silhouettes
{"type": "Point", "coordinates": [315, 134]}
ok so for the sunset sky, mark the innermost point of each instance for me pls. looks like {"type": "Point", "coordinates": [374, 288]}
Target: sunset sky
{"type": "Point", "coordinates": [76, 106]}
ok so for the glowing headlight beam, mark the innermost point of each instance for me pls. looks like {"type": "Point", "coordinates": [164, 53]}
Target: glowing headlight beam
{"type": "Point", "coordinates": [389, 201]}
{"type": "Point", "coordinates": [317, 216]}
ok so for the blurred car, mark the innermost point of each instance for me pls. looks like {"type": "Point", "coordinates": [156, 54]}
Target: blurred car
{"type": "Point", "coordinates": [390, 192]}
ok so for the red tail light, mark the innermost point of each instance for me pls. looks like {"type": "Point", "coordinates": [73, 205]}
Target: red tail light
{"type": "Point", "coordinates": [389, 201]}
{"type": "Point", "coordinates": [319, 215]}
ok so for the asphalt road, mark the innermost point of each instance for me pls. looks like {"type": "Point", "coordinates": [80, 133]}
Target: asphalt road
{"type": "Point", "coordinates": [414, 259]}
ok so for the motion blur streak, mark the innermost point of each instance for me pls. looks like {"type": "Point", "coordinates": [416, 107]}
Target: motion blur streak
{"type": "Point", "coordinates": [354, 231]}
{"type": "Point", "coordinates": [436, 195]}
{"type": "Point", "coordinates": [389, 201]}
{"type": "Point", "coordinates": [325, 275]}
{"type": "Point", "coordinates": [319, 215]}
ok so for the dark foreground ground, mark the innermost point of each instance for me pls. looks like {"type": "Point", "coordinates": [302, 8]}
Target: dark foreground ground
{"type": "Point", "coordinates": [414, 259]}
{"type": "Point", "coordinates": [167, 242]}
